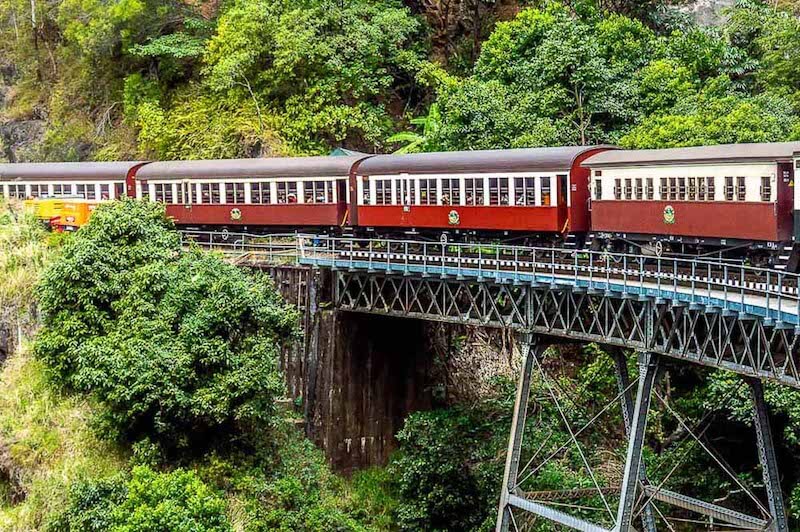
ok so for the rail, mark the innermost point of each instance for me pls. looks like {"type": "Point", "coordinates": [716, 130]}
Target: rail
{"type": "Point", "coordinates": [770, 294]}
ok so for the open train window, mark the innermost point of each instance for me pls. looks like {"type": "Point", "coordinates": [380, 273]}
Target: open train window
{"type": "Point", "coordinates": [729, 188]}
{"type": "Point", "coordinates": [741, 190]}
{"type": "Point", "coordinates": [209, 193]}
{"type": "Point", "coordinates": [711, 189]}
{"type": "Point", "coordinates": [681, 188]}
{"type": "Point", "coordinates": [617, 189]}
{"type": "Point", "coordinates": [427, 191]}
{"type": "Point", "coordinates": [383, 192]}
{"type": "Point", "coordinates": [650, 188]}
{"type": "Point", "coordinates": [498, 191]}
{"type": "Point", "coordinates": [692, 189]}
{"type": "Point", "coordinates": [598, 189]}
{"type": "Point", "coordinates": [321, 191]}
{"type": "Point", "coordinates": [766, 188]}
{"type": "Point", "coordinates": [701, 188]}
{"type": "Point", "coordinates": [16, 191]}
{"type": "Point", "coordinates": [637, 190]}
{"type": "Point", "coordinates": [673, 188]}
{"type": "Point", "coordinates": [546, 191]}
{"type": "Point", "coordinates": [662, 189]}
{"type": "Point", "coordinates": [260, 192]}
{"type": "Point", "coordinates": [474, 191]}
{"type": "Point", "coordinates": [287, 192]}
{"type": "Point", "coordinates": [451, 192]}
{"type": "Point", "coordinates": [234, 193]}
{"type": "Point", "coordinates": [628, 189]}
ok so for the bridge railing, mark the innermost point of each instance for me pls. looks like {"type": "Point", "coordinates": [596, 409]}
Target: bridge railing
{"type": "Point", "coordinates": [748, 290]}
{"type": "Point", "coordinates": [279, 248]}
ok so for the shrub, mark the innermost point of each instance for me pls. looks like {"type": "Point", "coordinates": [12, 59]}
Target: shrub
{"type": "Point", "coordinates": [180, 347]}
{"type": "Point", "coordinates": [177, 501]}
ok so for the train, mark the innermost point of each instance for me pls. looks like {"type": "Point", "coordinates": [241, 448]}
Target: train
{"type": "Point", "coordinates": [732, 202]}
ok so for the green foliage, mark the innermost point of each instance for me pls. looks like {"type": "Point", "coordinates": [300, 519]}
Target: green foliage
{"type": "Point", "coordinates": [707, 119]}
{"type": "Point", "coordinates": [177, 501]}
{"type": "Point", "coordinates": [181, 347]}
{"type": "Point", "coordinates": [324, 68]}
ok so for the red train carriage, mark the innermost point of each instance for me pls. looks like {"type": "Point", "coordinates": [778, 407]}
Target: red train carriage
{"type": "Point", "coordinates": [89, 181]}
{"type": "Point", "coordinates": [536, 191]}
{"type": "Point", "coordinates": [284, 193]}
{"type": "Point", "coordinates": [733, 199]}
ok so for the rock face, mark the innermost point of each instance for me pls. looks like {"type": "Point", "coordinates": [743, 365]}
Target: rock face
{"type": "Point", "coordinates": [19, 139]}
{"type": "Point", "coordinates": [707, 12]}
{"type": "Point", "coordinates": [354, 378]}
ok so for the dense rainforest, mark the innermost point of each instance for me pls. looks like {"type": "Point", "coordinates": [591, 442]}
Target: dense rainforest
{"type": "Point", "coordinates": [108, 426]}
{"type": "Point", "coordinates": [166, 79]}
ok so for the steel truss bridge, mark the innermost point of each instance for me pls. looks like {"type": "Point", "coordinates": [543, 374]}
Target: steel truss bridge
{"type": "Point", "coordinates": [716, 314]}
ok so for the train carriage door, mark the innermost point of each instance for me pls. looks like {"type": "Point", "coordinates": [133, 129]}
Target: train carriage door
{"type": "Point", "coordinates": [561, 198]}
{"type": "Point", "coordinates": [186, 193]}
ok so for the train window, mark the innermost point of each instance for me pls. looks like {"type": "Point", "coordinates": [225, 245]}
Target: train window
{"type": "Point", "coordinates": [741, 191]}
{"type": "Point", "coordinates": [383, 192]}
{"type": "Point", "coordinates": [662, 189]}
{"type": "Point", "coordinates": [692, 189]}
{"type": "Point", "coordinates": [81, 191]}
{"type": "Point", "coordinates": [451, 192]}
{"type": "Point", "coordinates": [260, 192]}
{"type": "Point", "coordinates": [681, 188]}
{"type": "Point", "coordinates": [179, 193]}
{"type": "Point", "coordinates": [61, 190]}
{"type": "Point", "coordinates": [16, 191]}
{"type": "Point", "coordinates": [498, 191]}
{"type": "Point", "coordinates": [546, 191]}
{"type": "Point", "coordinates": [650, 188]}
{"type": "Point", "coordinates": [91, 192]}
{"type": "Point", "coordinates": [287, 192]}
{"type": "Point", "coordinates": [637, 189]}
{"type": "Point", "coordinates": [321, 192]}
{"type": "Point", "coordinates": [234, 193]}
{"type": "Point", "coordinates": [210, 193]}
{"type": "Point", "coordinates": [729, 188]}
{"type": "Point", "coordinates": [673, 188]}
{"type": "Point", "coordinates": [598, 189]}
{"type": "Point", "coordinates": [105, 192]}
{"type": "Point", "coordinates": [163, 192]}
{"type": "Point", "coordinates": [628, 189]}
{"type": "Point", "coordinates": [711, 190]}
{"type": "Point", "coordinates": [427, 191]}
{"type": "Point", "coordinates": [365, 190]}
{"type": "Point", "coordinates": [119, 190]}
{"type": "Point", "coordinates": [766, 188]}
{"type": "Point", "coordinates": [38, 191]}
{"type": "Point", "coordinates": [617, 189]}
{"type": "Point", "coordinates": [474, 191]}
{"type": "Point", "coordinates": [701, 189]}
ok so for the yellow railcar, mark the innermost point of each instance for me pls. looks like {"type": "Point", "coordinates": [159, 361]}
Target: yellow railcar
{"type": "Point", "coordinates": [62, 214]}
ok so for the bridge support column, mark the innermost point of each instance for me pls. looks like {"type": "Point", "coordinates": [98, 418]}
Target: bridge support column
{"type": "Point", "coordinates": [624, 384]}
{"type": "Point", "coordinates": [648, 374]}
{"type": "Point", "coordinates": [533, 349]}
{"type": "Point", "coordinates": [766, 454]}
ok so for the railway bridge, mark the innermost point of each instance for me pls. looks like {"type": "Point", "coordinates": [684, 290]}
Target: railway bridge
{"type": "Point", "coordinates": [717, 314]}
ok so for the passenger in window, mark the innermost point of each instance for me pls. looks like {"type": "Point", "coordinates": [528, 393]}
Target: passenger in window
{"type": "Point", "coordinates": [504, 200]}
{"type": "Point", "coordinates": [520, 200]}
{"type": "Point", "coordinates": [445, 199]}
{"type": "Point", "coordinates": [292, 198]}
{"type": "Point", "coordinates": [470, 200]}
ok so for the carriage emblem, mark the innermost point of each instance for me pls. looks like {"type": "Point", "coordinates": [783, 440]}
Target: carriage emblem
{"type": "Point", "coordinates": [236, 214]}
{"type": "Point", "coordinates": [669, 215]}
{"type": "Point", "coordinates": [453, 218]}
